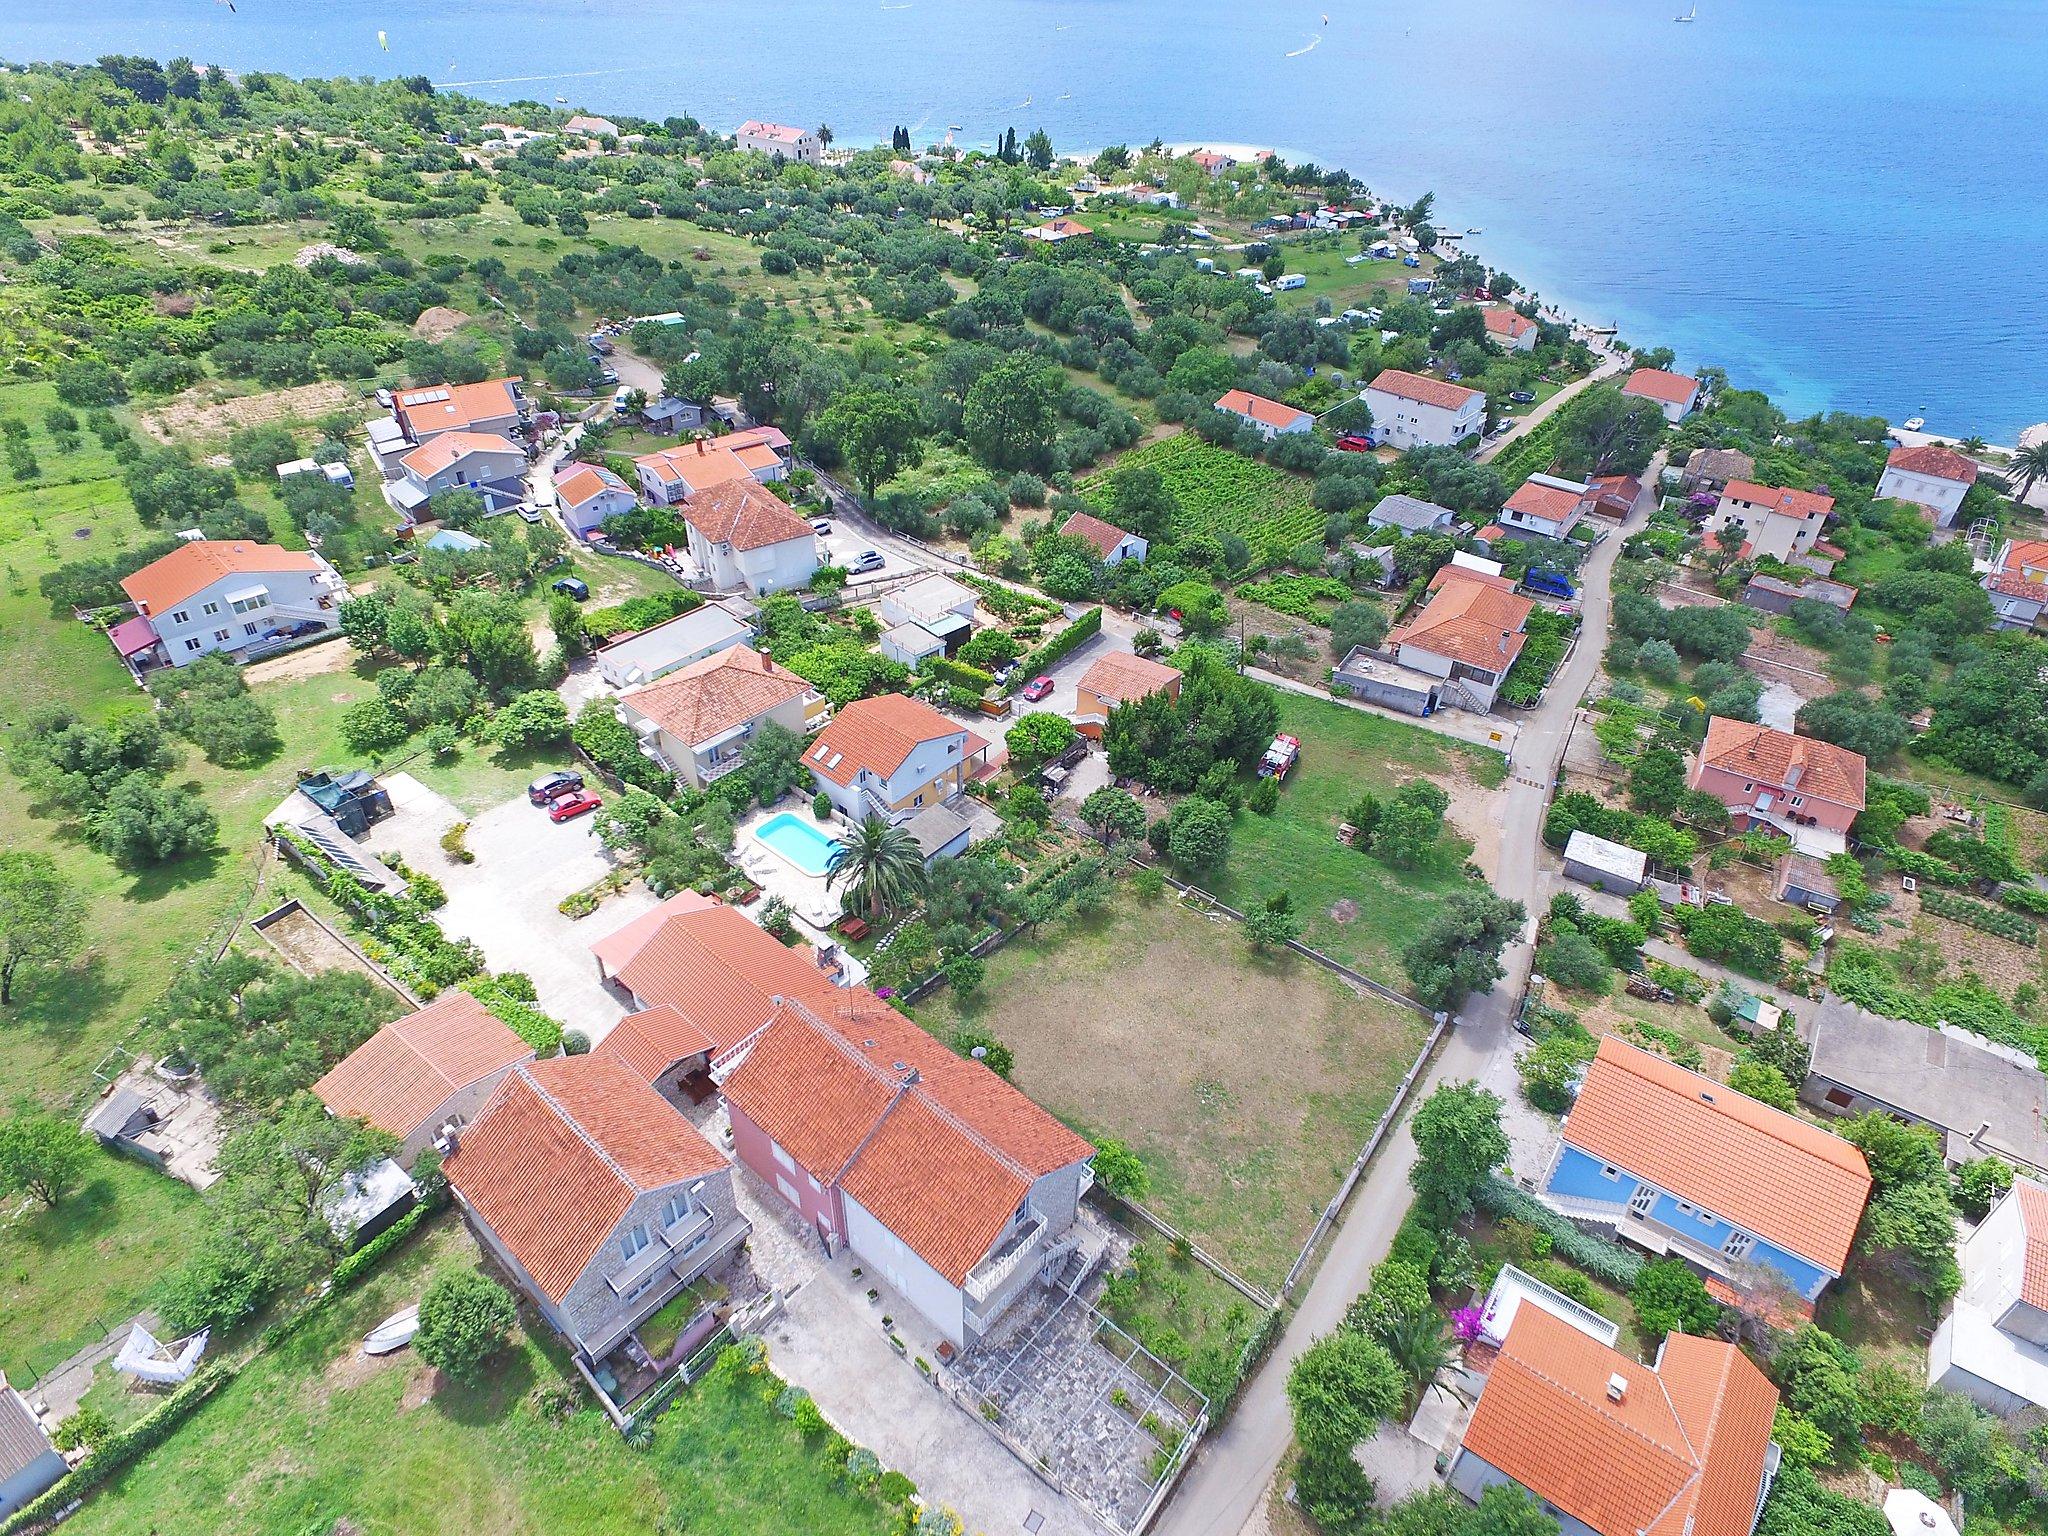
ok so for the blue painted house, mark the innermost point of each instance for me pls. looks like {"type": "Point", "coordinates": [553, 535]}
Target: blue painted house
{"type": "Point", "coordinates": [1682, 1165]}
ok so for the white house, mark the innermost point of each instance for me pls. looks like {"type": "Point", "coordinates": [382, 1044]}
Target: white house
{"type": "Point", "coordinates": [587, 494]}
{"type": "Point", "coordinates": [1410, 410]}
{"type": "Point", "coordinates": [1516, 332]}
{"type": "Point", "coordinates": [1410, 514]}
{"type": "Point", "coordinates": [937, 604]}
{"type": "Point", "coordinates": [491, 465]}
{"type": "Point", "coordinates": [1469, 634]}
{"type": "Point", "coordinates": [746, 539]}
{"type": "Point", "coordinates": [1929, 476]}
{"type": "Point", "coordinates": [667, 647]}
{"type": "Point", "coordinates": [491, 406]}
{"type": "Point", "coordinates": [1993, 1346]}
{"type": "Point", "coordinates": [910, 643]}
{"type": "Point", "coordinates": [220, 595]}
{"type": "Point", "coordinates": [1675, 393]}
{"type": "Point", "coordinates": [891, 756]}
{"type": "Point", "coordinates": [1547, 506]}
{"type": "Point", "coordinates": [592, 127]}
{"type": "Point", "coordinates": [780, 141]}
{"type": "Point", "coordinates": [1268, 418]}
{"type": "Point", "coordinates": [696, 722]}
{"type": "Point", "coordinates": [1110, 541]}
{"type": "Point", "coordinates": [1777, 522]}
{"type": "Point", "coordinates": [670, 475]}
{"type": "Point", "coordinates": [2018, 583]}
{"type": "Point", "coordinates": [336, 473]}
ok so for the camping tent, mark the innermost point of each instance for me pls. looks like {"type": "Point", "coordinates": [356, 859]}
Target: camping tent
{"type": "Point", "coordinates": [144, 1358]}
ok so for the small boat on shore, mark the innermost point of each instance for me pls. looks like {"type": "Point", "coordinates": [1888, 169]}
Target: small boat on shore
{"type": "Point", "coordinates": [394, 1333]}
{"type": "Point", "coordinates": [1914, 423]}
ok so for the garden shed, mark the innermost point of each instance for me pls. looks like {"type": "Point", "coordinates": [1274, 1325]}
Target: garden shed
{"type": "Point", "coordinates": [1608, 866]}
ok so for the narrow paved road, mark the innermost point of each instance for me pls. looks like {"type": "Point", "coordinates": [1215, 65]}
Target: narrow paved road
{"type": "Point", "coordinates": [1229, 1481]}
{"type": "Point", "coordinates": [1608, 367]}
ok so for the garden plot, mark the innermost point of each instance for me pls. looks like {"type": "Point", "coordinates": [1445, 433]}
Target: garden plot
{"type": "Point", "coordinates": [1221, 492]}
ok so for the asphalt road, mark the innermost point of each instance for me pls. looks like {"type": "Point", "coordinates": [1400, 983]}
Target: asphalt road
{"type": "Point", "coordinates": [1228, 1483]}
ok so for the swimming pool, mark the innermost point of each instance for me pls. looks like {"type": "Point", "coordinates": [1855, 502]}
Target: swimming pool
{"type": "Point", "coordinates": [798, 840]}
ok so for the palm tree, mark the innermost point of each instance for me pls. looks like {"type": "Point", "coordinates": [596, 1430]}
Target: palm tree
{"type": "Point", "coordinates": [2028, 465]}
{"type": "Point", "coordinates": [880, 863]}
{"type": "Point", "coordinates": [1421, 1346]}
{"type": "Point", "coordinates": [825, 135]}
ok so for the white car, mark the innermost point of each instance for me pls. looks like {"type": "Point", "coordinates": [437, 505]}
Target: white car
{"type": "Point", "coordinates": [866, 560]}
{"type": "Point", "coordinates": [821, 526]}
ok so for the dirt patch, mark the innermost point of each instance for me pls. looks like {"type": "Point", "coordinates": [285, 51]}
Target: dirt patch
{"type": "Point", "coordinates": [1345, 911]}
{"type": "Point", "coordinates": [310, 661]}
{"type": "Point", "coordinates": [1475, 813]}
{"type": "Point", "coordinates": [439, 323]}
{"type": "Point", "coordinates": [195, 415]}
{"type": "Point", "coordinates": [1779, 660]}
{"type": "Point", "coordinates": [420, 1387]}
{"type": "Point", "coordinates": [353, 1368]}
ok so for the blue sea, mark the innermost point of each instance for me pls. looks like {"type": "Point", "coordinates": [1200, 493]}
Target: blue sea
{"type": "Point", "coordinates": [1839, 201]}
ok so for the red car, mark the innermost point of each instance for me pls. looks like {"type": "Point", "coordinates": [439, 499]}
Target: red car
{"type": "Point", "coordinates": [1037, 688]}
{"type": "Point", "coordinates": [1353, 442]}
{"type": "Point", "coordinates": [569, 807]}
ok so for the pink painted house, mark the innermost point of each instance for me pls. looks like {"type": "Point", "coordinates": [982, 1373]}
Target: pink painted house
{"type": "Point", "coordinates": [1809, 790]}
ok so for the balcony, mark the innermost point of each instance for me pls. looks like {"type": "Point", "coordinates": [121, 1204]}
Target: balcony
{"type": "Point", "coordinates": [1016, 1251]}
{"type": "Point", "coordinates": [718, 767]}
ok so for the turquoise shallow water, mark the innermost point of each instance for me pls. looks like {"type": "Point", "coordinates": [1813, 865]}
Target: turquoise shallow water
{"type": "Point", "coordinates": [798, 841]}
{"type": "Point", "coordinates": [1836, 200]}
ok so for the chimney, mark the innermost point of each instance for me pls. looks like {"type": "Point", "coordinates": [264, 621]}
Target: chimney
{"type": "Point", "coordinates": [448, 1140]}
{"type": "Point", "coordinates": [700, 447]}
{"type": "Point", "coordinates": [1617, 1387]}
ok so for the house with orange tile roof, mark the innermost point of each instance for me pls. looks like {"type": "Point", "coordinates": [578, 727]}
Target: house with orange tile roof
{"type": "Point", "coordinates": [1268, 418]}
{"type": "Point", "coordinates": [595, 1195]}
{"type": "Point", "coordinates": [1782, 523]}
{"type": "Point", "coordinates": [489, 463]}
{"type": "Point", "coordinates": [948, 1182]}
{"type": "Point", "coordinates": [675, 474]}
{"type": "Point", "coordinates": [1412, 410]}
{"type": "Point", "coordinates": [1120, 677]}
{"type": "Point", "coordinates": [779, 141]}
{"type": "Point", "coordinates": [1213, 163]}
{"type": "Point", "coordinates": [1547, 506]}
{"type": "Point", "coordinates": [587, 494]}
{"type": "Point", "coordinates": [431, 1069]}
{"type": "Point", "coordinates": [227, 595]}
{"type": "Point", "coordinates": [1993, 1346]}
{"type": "Point", "coordinates": [746, 539]}
{"type": "Point", "coordinates": [891, 756]}
{"type": "Point", "coordinates": [493, 406]}
{"type": "Point", "coordinates": [2018, 583]}
{"type": "Point", "coordinates": [1930, 476]}
{"type": "Point", "coordinates": [1609, 1446]}
{"type": "Point", "coordinates": [1806, 788]}
{"type": "Point", "coordinates": [1675, 393]}
{"type": "Point", "coordinates": [1110, 541]}
{"type": "Point", "coordinates": [1684, 1166]}
{"type": "Point", "coordinates": [1469, 633]}
{"type": "Point", "coordinates": [697, 720]}
{"type": "Point", "coordinates": [1058, 231]}
{"type": "Point", "coordinates": [1511, 329]}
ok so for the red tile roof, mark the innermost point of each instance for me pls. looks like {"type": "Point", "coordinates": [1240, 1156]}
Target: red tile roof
{"type": "Point", "coordinates": [2033, 1199]}
{"type": "Point", "coordinates": [617, 948]}
{"type": "Point", "coordinates": [722, 973]}
{"type": "Point", "coordinates": [738, 512]}
{"type": "Point", "coordinates": [2022, 555]}
{"type": "Point", "coordinates": [1473, 618]}
{"type": "Point", "coordinates": [1104, 536]}
{"type": "Point", "coordinates": [1121, 677]}
{"type": "Point", "coordinates": [879, 734]}
{"type": "Point", "coordinates": [452, 407]}
{"type": "Point", "coordinates": [1553, 503]}
{"type": "Point", "coordinates": [1779, 501]}
{"type": "Point", "coordinates": [578, 483]}
{"type": "Point", "coordinates": [448, 448]}
{"type": "Point", "coordinates": [655, 1039]}
{"type": "Point", "coordinates": [1772, 1174]}
{"type": "Point", "coordinates": [1426, 391]}
{"type": "Point", "coordinates": [716, 693]}
{"type": "Point", "coordinates": [1682, 1451]}
{"type": "Point", "coordinates": [1506, 322]}
{"type": "Point", "coordinates": [1656, 384]}
{"type": "Point", "coordinates": [559, 1153]}
{"type": "Point", "coordinates": [1271, 413]}
{"type": "Point", "coordinates": [754, 128]}
{"type": "Point", "coordinates": [933, 1144]}
{"type": "Point", "coordinates": [193, 567]}
{"type": "Point", "coordinates": [1616, 493]}
{"type": "Point", "coordinates": [1769, 756]}
{"type": "Point", "coordinates": [406, 1071]}
{"type": "Point", "coordinates": [1928, 459]}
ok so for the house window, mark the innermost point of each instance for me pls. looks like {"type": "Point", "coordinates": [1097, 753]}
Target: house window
{"type": "Point", "coordinates": [1685, 1206]}
{"type": "Point", "coordinates": [179, 616]}
{"type": "Point", "coordinates": [674, 1209]}
{"type": "Point", "coordinates": [249, 629]}
{"type": "Point", "coordinates": [1841, 1098]}
{"type": "Point", "coordinates": [1609, 1171]}
{"type": "Point", "coordinates": [634, 1239]}
{"type": "Point", "coordinates": [1798, 800]}
{"type": "Point", "coordinates": [191, 645]}
{"type": "Point", "coordinates": [220, 636]}
{"type": "Point", "coordinates": [783, 1157]}
{"type": "Point", "coordinates": [210, 609]}
{"type": "Point", "coordinates": [1749, 786]}
{"type": "Point", "coordinates": [1738, 1245]}
{"type": "Point", "coordinates": [251, 604]}
{"type": "Point", "coordinates": [1705, 1218]}
{"type": "Point", "coordinates": [917, 800]}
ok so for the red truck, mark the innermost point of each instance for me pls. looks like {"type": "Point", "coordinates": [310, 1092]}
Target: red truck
{"type": "Point", "coordinates": [1280, 757]}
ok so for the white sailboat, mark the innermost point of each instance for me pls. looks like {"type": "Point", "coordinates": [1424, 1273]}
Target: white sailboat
{"type": "Point", "coordinates": [1691, 15]}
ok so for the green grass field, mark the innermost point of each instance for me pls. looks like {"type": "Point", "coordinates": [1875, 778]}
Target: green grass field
{"type": "Point", "coordinates": [1223, 492]}
{"type": "Point", "coordinates": [1354, 908]}
{"type": "Point", "coordinates": [314, 1437]}
{"type": "Point", "coordinates": [1346, 287]}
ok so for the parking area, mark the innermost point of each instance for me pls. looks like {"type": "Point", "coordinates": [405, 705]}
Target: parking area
{"type": "Point", "coordinates": [845, 542]}
{"type": "Point", "coordinates": [508, 900]}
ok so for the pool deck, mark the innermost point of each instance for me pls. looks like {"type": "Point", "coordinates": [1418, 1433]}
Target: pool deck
{"type": "Point", "coordinates": [811, 899]}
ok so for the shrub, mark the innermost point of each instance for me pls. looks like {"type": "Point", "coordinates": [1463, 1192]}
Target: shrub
{"type": "Point", "coordinates": [1121, 1171]}
{"type": "Point", "coordinates": [1979, 1185]}
{"type": "Point", "coordinates": [1604, 1260]}
{"type": "Point", "coordinates": [1762, 1082]}
{"type": "Point", "coordinates": [455, 843]}
{"type": "Point", "coordinates": [1669, 1297]}
{"type": "Point", "coordinates": [465, 1318]}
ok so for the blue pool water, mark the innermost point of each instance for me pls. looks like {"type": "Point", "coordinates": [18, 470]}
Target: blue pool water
{"type": "Point", "coordinates": [1835, 200]}
{"type": "Point", "coordinates": [798, 840]}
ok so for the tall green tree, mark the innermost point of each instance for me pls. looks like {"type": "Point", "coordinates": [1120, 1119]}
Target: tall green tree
{"type": "Point", "coordinates": [879, 430]}
{"type": "Point", "coordinates": [278, 1178]}
{"type": "Point", "coordinates": [1604, 432]}
{"type": "Point", "coordinates": [880, 864]}
{"type": "Point", "coordinates": [1012, 412]}
{"type": "Point", "coordinates": [42, 917]}
{"type": "Point", "coordinates": [1458, 1142]}
{"type": "Point", "coordinates": [41, 1154]}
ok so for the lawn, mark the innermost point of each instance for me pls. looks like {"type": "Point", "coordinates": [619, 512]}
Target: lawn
{"type": "Point", "coordinates": [69, 1274]}
{"type": "Point", "coordinates": [1221, 492]}
{"type": "Point", "coordinates": [1370, 283]}
{"type": "Point", "coordinates": [1354, 907]}
{"type": "Point", "coordinates": [1246, 1084]}
{"type": "Point", "coordinates": [314, 1437]}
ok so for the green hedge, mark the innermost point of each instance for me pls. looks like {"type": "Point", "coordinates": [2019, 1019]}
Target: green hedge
{"type": "Point", "coordinates": [639, 613]}
{"type": "Point", "coordinates": [1604, 1260]}
{"type": "Point", "coordinates": [355, 1265]}
{"type": "Point", "coordinates": [957, 674]}
{"type": "Point", "coordinates": [1061, 645]}
{"type": "Point", "coordinates": [614, 748]}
